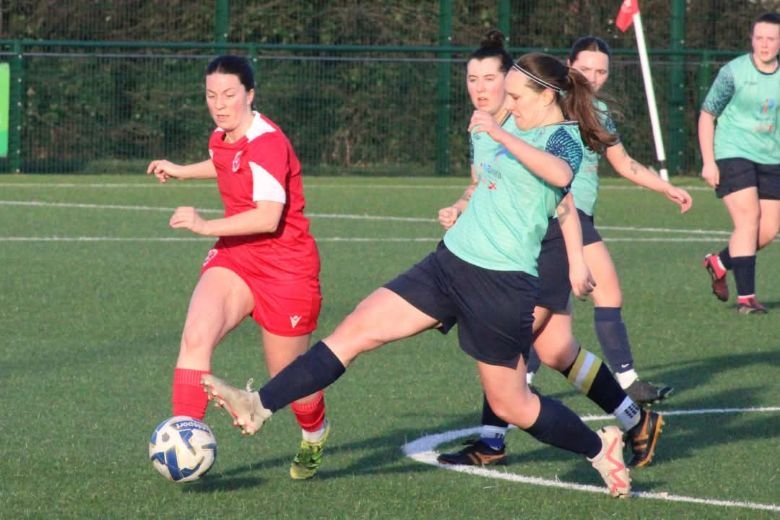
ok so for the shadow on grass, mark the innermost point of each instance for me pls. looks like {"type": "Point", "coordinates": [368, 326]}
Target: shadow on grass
{"type": "Point", "coordinates": [683, 435]}
{"type": "Point", "coordinates": [216, 483]}
{"type": "Point", "coordinates": [698, 372]}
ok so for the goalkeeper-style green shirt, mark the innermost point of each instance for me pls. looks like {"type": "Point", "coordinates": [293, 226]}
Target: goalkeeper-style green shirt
{"type": "Point", "coordinates": [585, 186]}
{"type": "Point", "coordinates": [745, 102]}
{"type": "Point", "coordinates": [507, 216]}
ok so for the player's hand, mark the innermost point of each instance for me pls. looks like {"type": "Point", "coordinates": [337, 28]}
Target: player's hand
{"type": "Point", "coordinates": [448, 216]}
{"type": "Point", "coordinates": [162, 169]}
{"type": "Point", "coordinates": [711, 174]}
{"type": "Point", "coordinates": [482, 121]}
{"type": "Point", "coordinates": [680, 197]}
{"type": "Point", "coordinates": [582, 282]}
{"type": "Point", "coordinates": [188, 218]}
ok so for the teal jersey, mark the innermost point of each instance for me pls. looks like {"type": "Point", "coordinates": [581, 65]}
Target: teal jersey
{"type": "Point", "coordinates": [507, 215]}
{"type": "Point", "coordinates": [745, 102]}
{"type": "Point", "coordinates": [585, 186]}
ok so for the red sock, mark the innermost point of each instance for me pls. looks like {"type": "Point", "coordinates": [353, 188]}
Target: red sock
{"type": "Point", "coordinates": [310, 415]}
{"type": "Point", "coordinates": [187, 396]}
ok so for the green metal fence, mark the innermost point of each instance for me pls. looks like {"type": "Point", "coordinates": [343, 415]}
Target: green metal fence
{"type": "Point", "coordinates": [358, 87]}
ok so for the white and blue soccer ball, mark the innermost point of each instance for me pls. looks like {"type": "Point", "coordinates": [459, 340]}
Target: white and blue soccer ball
{"type": "Point", "coordinates": [182, 449]}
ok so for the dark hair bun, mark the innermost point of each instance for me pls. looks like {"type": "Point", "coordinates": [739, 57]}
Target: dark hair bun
{"type": "Point", "coordinates": [493, 40]}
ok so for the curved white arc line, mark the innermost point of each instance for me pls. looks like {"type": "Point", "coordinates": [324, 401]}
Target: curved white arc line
{"type": "Point", "coordinates": [422, 450]}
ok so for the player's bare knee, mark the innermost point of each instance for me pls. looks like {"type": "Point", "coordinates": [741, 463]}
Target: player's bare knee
{"type": "Point", "coordinates": [195, 341]}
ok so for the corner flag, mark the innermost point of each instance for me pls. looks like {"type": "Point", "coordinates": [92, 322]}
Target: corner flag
{"type": "Point", "coordinates": [626, 14]}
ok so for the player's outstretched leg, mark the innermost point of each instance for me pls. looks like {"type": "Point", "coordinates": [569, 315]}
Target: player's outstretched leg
{"type": "Point", "coordinates": [644, 437]}
{"type": "Point", "coordinates": [609, 462]}
{"type": "Point", "coordinates": [309, 457]}
{"type": "Point", "coordinates": [248, 412]}
{"type": "Point", "coordinates": [559, 426]}
{"type": "Point", "coordinates": [717, 274]}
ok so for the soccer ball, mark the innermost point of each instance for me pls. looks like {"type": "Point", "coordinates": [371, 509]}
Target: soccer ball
{"type": "Point", "coordinates": [182, 449]}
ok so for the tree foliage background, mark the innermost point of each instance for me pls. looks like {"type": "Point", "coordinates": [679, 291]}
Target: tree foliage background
{"type": "Point", "coordinates": [106, 84]}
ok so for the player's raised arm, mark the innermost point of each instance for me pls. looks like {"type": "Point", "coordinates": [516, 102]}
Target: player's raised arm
{"type": "Point", "coordinates": [643, 176]}
{"type": "Point", "coordinates": [548, 167]}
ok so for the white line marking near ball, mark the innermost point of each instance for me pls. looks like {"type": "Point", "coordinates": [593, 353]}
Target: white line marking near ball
{"type": "Point", "coordinates": [423, 450]}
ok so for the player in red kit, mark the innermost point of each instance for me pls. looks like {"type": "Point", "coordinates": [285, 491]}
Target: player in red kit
{"type": "Point", "coordinates": [265, 262]}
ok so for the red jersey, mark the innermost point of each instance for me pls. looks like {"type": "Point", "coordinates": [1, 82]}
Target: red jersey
{"type": "Point", "coordinates": [262, 165]}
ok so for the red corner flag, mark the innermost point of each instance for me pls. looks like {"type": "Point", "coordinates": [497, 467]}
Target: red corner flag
{"type": "Point", "coordinates": [626, 14]}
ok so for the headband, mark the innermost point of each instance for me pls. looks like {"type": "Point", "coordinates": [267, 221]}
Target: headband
{"type": "Point", "coordinates": [537, 79]}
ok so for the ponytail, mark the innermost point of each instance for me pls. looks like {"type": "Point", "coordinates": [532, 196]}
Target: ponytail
{"type": "Point", "coordinates": [578, 105]}
{"type": "Point", "coordinates": [573, 93]}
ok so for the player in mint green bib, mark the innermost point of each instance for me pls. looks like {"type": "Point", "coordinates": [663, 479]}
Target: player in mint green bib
{"type": "Point", "coordinates": [741, 159]}
{"type": "Point", "coordinates": [553, 320]}
{"type": "Point", "coordinates": [591, 56]}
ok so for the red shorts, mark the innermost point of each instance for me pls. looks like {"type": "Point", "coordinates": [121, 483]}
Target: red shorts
{"type": "Point", "coordinates": [283, 307]}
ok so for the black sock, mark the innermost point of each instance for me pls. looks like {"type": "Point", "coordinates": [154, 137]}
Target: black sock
{"type": "Point", "coordinates": [613, 338]}
{"type": "Point", "coordinates": [560, 427]}
{"type": "Point", "coordinates": [745, 274]}
{"type": "Point", "coordinates": [489, 418]}
{"type": "Point", "coordinates": [725, 258]}
{"type": "Point", "coordinates": [310, 372]}
{"type": "Point", "coordinates": [589, 375]}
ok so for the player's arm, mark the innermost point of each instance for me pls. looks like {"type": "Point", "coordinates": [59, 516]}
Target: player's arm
{"type": "Point", "coordinates": [718, 97]}
{"type": "Point", "coordinates": [264, 218]}
{"type": "Point", "coordinates": [582, 282]}
{"type": "Point", "coordinates": [709, 170]}
{"type": "Point", "coordinates": [627, 167]}
{"type": "Point", "coordinates": [267, 163]}
{"type": "Point", "coordinates": [546, 166]}
{"type": "Point", "coordinates": [449, 215]}
{"type": "Point", "coordinates": [164, 170]}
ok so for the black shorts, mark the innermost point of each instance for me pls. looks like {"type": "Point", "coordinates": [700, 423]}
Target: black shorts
{"type": "Point", "coordinates": [554, 283]}
{"type": "Point", "coordinates": [738, 174]}
{"type": "Point", "coordinates": [493, 309]}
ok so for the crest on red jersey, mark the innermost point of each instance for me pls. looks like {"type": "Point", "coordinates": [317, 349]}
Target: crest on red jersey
{"type": "Point", "coordinates": [236, 162]}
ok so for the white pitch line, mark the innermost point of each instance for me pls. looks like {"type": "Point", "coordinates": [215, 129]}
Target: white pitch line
{"type": "Point", "coordinates": [79, 205]}
{"type": "Point", "coordinates": [321, 239]}
{"type": "Point", "coordinates": [423, 450]}
{"type": "Point", "coordinates": [344, 216]}
{"type": "Point", "coordinates": [308, 184]}
{"type": "Point", "coordinates": [102, 185]}
{"type": "Point", "coordinates": [664, 230]}
{"type": "Point", "coordinates": [663, 239]}
{"type": "Point", "coordinates": [202, 239]}
{"type": "Point", "coordinates": [714, 235]}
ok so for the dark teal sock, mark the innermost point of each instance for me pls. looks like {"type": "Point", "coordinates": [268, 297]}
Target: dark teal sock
{"type": "Point", "coordinates": [560, 427]}
{"type": "Point", "coordinates": [310, 372]}
{"type": "Point", "coordinates": [613, 338]}
{"type": "Point", "coordinates": [725, 258]}
{"type": "Point", "coordinates": [744, 268]}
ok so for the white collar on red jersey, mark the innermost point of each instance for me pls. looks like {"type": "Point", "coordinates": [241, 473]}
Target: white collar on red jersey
{"type": "Point", "coordinates": [259, 127]}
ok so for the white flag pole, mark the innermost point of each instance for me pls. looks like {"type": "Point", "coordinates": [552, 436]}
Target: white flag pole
{"type": "Point", "coordinates": [660, 153]}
